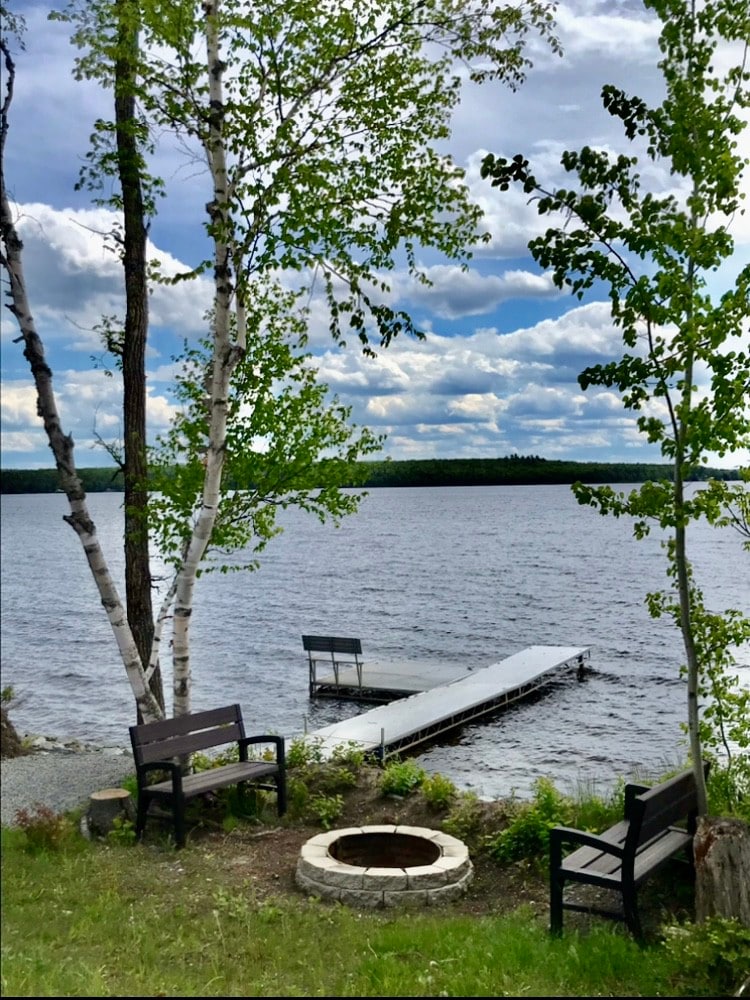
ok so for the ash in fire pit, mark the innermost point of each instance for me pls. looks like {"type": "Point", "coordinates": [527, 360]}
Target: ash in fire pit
{"type": "Point", "coordinates": [385, 866]}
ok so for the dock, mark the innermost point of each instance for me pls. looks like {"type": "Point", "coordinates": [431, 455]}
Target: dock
{"type": "Point", "coordinates": [381, 681]}
{"type": "Point", "coordinates": [422, 717]}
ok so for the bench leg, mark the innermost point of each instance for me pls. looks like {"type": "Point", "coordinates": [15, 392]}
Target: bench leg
{"type": "Point", "coordinates": [281, 793]}
{"type": "Point", "coordinates": [142, 811]}
{"type": "Point", "coordinates": [630, 911]}
{"type": "Point", "coordinates": [555, 904]}
{"type": "Point", "coordinates": [178, 812]}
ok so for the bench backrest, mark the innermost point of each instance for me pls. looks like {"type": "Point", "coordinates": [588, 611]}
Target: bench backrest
{"type": "Point", "coordinates": [672, 802]}
{"type": "Point", "coordinates": [185, 734]}
{"type": "Point", "coordinates": [332, 644]}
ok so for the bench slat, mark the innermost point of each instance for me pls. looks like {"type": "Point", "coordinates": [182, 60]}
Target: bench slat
{"type": "Point", "coordinates": [654, 855]}
{"type": "Point", "coordinates": [212, 717]}
{"type": "Point", "coordinates": [331, 644]}
{"type": "Point", "coordinates": [187, 743]}
{"type": "Point", "coordinates": [218, 777]}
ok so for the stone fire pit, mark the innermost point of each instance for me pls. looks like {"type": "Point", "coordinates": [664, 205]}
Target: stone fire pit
{"type": "Point", "coordinates": [379, 866]}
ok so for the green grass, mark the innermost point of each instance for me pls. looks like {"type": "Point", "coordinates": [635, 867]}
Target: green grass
{"type": "Point", "coordinates": [106, 919]}
{"type": "Point", "coordinates": [114, 918]}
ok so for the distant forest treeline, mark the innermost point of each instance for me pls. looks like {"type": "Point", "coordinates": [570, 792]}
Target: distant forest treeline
{"type": "Point", "coordinates": [514, 470]}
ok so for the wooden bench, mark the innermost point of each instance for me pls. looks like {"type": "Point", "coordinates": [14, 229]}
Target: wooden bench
{"type": "Point", "coordinates": [164, 747]}
{"type": "Point", "coordinates": [335, 647]}
{"type": "Point", "coordinates": [626, 854]}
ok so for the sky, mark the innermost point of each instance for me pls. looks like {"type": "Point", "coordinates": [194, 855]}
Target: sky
{"type": "Point", "coordinates": [497, 372]}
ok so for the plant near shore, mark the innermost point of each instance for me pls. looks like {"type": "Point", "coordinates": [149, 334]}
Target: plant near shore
{"type": "Point", "coordinates": [439, 791]}
{"type": "Point", "coordinates": [526, 835]}
{"type": "Point", "coordinates": [44, 829]}
{"type": "Point", "coordinates": [326, 808]}
{"type": "Point", "coordinates": [466, 820]}
{"type": "Point", "coordinates": [401, 777]}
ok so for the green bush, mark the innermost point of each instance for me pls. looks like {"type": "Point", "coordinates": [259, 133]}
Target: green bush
{"type": "Point", "coordinates": [527, 834]}
{"type": "Point", "coordinates": [465, 820]}
{"type": "Point", "coordinates": [349, 755]}
{"type": "Point", "coordinates": [401, 777]}
{"type": "Point", "coordinates": [729, 788]}
{"type": "Point", "coordinates": [439, 791]}
{"type": "Point", "coordinates": [712, 956]}
{"type": "Point", "coordinates": [122, 832]}
{"type": "Point", "coordinates": [304, 751]}
{"type": "Point", "coordinates": [44, 830]}
{"type": "Point", "coordinates": [326, 809]}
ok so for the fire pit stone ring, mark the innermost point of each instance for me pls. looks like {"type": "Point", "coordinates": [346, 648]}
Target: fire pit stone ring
{"type": "Point", "coordinates": [385, 866]}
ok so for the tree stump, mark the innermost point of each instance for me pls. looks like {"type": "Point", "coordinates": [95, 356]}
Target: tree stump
{"type": "Point", "coordinates": [105, 807]}
{"type": "Point", "coordinates": [722, 869]}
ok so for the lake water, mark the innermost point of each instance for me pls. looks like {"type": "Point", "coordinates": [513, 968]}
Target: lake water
{"type": "Point", "coordinates": [461, 576]}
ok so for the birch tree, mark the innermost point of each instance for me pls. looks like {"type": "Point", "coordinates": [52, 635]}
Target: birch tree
{"type": "Point", "coordinates": [318, 126]}
{"type": "Point", "coordinates": [685, 370]}
{"type": "Point", "coordinates": [79, 518]}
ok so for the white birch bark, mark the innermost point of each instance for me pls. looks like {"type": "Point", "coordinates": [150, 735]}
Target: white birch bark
{"type": "Point", "coordinates": [11, 259]}
{"type": "Point", "coordinates": [224, 359]}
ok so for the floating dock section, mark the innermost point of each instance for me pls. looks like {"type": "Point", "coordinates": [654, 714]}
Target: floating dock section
{"type": "Point", "coordinates": [420, 718]}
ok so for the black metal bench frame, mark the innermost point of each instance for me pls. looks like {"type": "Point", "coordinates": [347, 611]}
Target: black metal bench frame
{"type": "Point", "coordinates": [335, 647]}
{"type": "Point", "coordinates": [164, 747]}
{"type": "Point", "coordinates": [624, 856]}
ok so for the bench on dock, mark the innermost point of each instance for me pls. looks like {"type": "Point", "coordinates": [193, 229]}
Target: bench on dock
{"type": "Point", "coordinates": [658, 824]}
{"type": "Point", "coordinates": [164, 746]}
{"type": "Point", "coordinates": [336, 648]}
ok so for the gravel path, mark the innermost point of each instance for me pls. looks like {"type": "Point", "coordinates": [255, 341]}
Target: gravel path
{"type": "Point", "coordinates": [59, 775]}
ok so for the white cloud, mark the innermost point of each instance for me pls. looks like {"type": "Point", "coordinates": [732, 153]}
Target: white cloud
{"type": "Point", "coordinates": [455, 292]}
{"type": "Point", "coordinates": [498, 369]}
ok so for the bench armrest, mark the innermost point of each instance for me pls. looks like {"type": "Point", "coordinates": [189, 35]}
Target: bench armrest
{"type": "Point", "coordinates": [631, 790]}
{"type": "Point", "coordinates": [560, 835]}
{"type": "Point", "coordinates": [170, 766]}
{"type": "Point", "coordinates": [278, 742]}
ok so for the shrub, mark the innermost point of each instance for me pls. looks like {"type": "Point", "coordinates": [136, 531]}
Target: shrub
{"type": "Point", "coordinates": [44, 829]}
{"type": "Point", "coordinates": [401, 777]}
{"type": "Point", "coordinates": [712, 956]}
{"type": "Point", "coordinates": [303, 751]}
{"type": "Point", "coordinates": [527, 834]}
{"type": "Point", "coordinates": [466, 820]}
{"type": "Point", "coordinates": [349, 755]}
{"type": "Point", "coordinates": [326, 809]}
{"type": "Point", "coordinates": [439, 791]}
{"type": "Point", "coordinates": [122, 832]}
{"type": "Point", "coordinates": [729, 787]}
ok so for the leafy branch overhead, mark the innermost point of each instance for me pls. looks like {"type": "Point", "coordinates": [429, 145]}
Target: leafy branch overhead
{"type": "Point", "coordinates": [330, 118]}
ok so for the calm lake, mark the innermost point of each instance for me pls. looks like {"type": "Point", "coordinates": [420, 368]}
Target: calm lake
{"type": "Point", "coordinates": [462, 576]}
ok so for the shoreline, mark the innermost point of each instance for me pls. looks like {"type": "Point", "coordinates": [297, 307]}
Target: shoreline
{"type": "Point", "coordinates": [58, 773]}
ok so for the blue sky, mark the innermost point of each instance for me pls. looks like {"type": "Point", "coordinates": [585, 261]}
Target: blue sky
{"type": "Point", "coordinates": [497, 373]}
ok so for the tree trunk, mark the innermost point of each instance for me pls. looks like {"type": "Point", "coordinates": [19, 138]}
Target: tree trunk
{"type": "Point", "coordinates": [225, 355]}
{"type": "Point", "coordinates": [107, 806]}
{"type": "Point", "coordinates": [135, 466]}
{"type": "Point", "coordinates": [11, 258]}
{"type": "Point", "coordinates": [722, 869]}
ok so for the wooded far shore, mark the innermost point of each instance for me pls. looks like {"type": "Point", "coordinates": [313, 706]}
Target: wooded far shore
{"type": "Point", "coordinates": [513, 470]}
